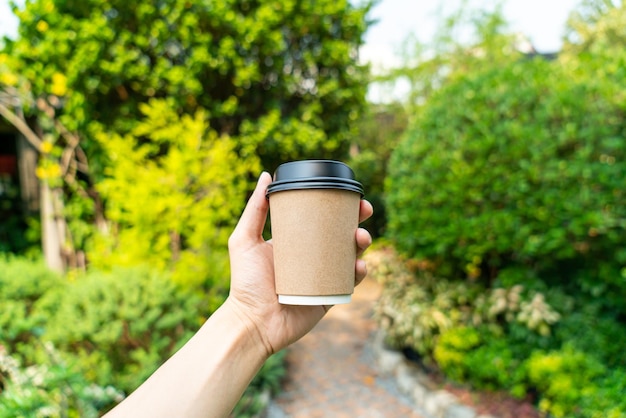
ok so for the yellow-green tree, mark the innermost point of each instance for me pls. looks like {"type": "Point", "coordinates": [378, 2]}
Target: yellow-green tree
{"type": "Point", "coordinates": [175, 208]}
{"type": "Point", "coordinates": [177, 104]}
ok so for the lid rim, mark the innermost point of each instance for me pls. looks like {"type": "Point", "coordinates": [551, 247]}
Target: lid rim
{"type": "Point", "coordinates": [314, 174]}
{"type": "Point", "coordinates": [314, 187]}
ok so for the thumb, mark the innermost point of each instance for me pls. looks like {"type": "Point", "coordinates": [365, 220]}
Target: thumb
{"type": "Point", "coordinates": [252, 221]}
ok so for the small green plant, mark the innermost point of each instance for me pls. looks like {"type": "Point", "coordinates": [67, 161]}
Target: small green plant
{"type": "Point", "coordinates": [50, 389]}
{"type": "Point", "coordinates": [452, 347]}
{"type": "Point", "coordinates": [415, 308]}
{"type": "Point", "coordinates": [563, 378]}
{"type": "Point", "coordinates": [516, 165]}
{"type": "Point", "coordinates": [609, 401]}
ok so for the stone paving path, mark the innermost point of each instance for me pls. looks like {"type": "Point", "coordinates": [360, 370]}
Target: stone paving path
{"type": "Point", "coordinates": [332, 373]}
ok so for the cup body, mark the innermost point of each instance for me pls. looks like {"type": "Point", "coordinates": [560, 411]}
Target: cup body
{"type": "Point", "coordinates": [314, 238]}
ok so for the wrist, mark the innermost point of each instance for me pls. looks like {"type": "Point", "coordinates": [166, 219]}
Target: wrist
{"type": "Point", "coordinates": [249, 326]}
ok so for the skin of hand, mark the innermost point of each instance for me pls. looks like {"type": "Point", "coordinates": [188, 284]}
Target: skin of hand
{"type": "Point", "coordinates": [253, 295]}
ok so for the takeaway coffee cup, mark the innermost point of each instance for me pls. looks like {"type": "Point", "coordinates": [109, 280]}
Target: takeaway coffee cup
{"type": "Point", "coordinates": [314, 212]}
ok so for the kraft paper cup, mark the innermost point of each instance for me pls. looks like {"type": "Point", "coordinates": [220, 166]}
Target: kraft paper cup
{"type": "Point", "coordinates": [314, 211]}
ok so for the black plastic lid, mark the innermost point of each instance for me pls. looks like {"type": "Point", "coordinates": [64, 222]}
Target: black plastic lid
{"type": "Point", "coordinates": [314, 174]}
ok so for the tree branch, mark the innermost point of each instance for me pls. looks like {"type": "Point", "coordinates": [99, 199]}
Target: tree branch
{"type": "Point", "coordinates": [21, 126]}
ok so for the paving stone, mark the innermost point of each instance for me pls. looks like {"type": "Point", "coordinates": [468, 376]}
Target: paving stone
{"type": "Point", "coordinates": [406, 379]}
{"type": "Point", "coordinates": [437, 403]}
{"type": "Point", "coordinates": [420, 393]}
{"type": "Point", "coordinates": [389, 360]}
{"type": "Point", "coordinates": [459, 411]}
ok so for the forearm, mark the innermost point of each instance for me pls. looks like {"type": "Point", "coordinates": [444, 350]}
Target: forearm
{"type": "Point", "coordinates": [206, 377]}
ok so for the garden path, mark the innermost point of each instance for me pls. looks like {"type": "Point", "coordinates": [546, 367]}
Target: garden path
{"type": "Point", "coordinates": [331, 372]}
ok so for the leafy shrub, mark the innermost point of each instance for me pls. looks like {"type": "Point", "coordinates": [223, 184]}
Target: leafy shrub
{"type": "Point", "coordinates": [415, 308]}
{"type": "Point", "coordinates": [50, 389]}
{"type": "Point", "coordinates": [563, 378]}
{"type": "Point", "coordinates": [451, 349]}
{"type": "Point", "coordinates": [380, 130]}
{"type": "Point", "coordinates": [609, 400]}
{"type": "Point", "coordinates": [175, 189]}
{"type": "Point", "coordinates": [504, 338]}
{"type": "Point", "coordinates": [22, 283]}
{"type": "Point", "coordinates": [119, 326]}
{"type": "Point", "coordinates": [76, 344]}
{"type": "Point", "coordinates": [588, 329]}
{"type": "Point", "coordinates": [518, 164]}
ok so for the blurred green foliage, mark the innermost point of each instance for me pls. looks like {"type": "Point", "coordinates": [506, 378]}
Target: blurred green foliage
{"type": "Point", "coordinates": [178, 106]}
{"type": "Point", "coordinates": [517, 339]}
{"type": "Point", "coordinates": [506, 194]}
{"type": "Point", "coordinates": [379, 131]}
{"type": "Point", "coordinates": [520, 164]}
{"type": "Point", "coordinates": [76, 345]}
{"type": "Point", "coordinates": [522, 168]}
{"type": "Point", "coordinates": [174, 190]}
{"type": "Point", "coordinates": [283, 74]}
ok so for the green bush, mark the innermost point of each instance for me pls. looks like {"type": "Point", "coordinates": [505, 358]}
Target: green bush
{"type": "Point", "coordinates": [112, 328]}
{"type": "Point", "coordinates": [380, 130]}
{"type": "Point", "coordinates": [609, 400]}
{"type": "Point", "coordinates": [415, 309]}
{"type": "Point", "coordinates": [563, 378]}
{"type": "Point", "coordinates": [22, 283]}
{"type": "Point", "coordinates": [512, 338]}
{"type": "Point", "coordinates": [119, 326]}
{"type": "Point", "coordinates": [187, 187]}
{"type": "Point", "coordinates": [49, 389]}
{"type": "Point", "coordinates": [516, 165]}
{"type": "Point", "coordinates": [590, 330]}
{"type": "Point", "coordinates": [76, 344]}
{"type": "Point", "coordinates": [509, 181]}
{"type": "Point", "coordinates": [281, 77]}
{"type": "Point", "coordinates": [451, 349]}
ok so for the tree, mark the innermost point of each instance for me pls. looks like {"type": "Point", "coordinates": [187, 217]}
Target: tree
{"type": "Point", "coordinates": [517, 165]}
{"type": "Point", "coordinates": [282, 74]}
{"type": "Point", "coordinates": [276, 80]}
{"type": "Point", "coordinates": [173, 209]}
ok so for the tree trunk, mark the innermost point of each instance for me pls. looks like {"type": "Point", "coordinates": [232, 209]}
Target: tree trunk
{"type": "Point", "coordinates": [29, 183]}
{"type": "Point", "coordinates": [52, 237]}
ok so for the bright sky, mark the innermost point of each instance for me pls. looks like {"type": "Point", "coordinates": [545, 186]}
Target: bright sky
{"type": "Point", "coordinates": [542, 21]}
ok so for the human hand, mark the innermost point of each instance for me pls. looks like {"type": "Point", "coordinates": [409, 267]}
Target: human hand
{"type": "Point", "coordinates": [253, 294]}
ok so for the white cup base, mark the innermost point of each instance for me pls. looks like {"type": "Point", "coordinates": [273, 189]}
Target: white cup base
{"type": "Point", "coordinates": [314, 300]}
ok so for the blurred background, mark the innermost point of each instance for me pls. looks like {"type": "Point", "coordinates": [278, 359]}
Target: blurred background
{"type": "Point", "coordinates": [490, 137]}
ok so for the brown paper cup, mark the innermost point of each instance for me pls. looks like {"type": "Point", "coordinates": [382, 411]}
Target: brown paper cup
{"type": "Point", "coordinates": [314, 240]}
